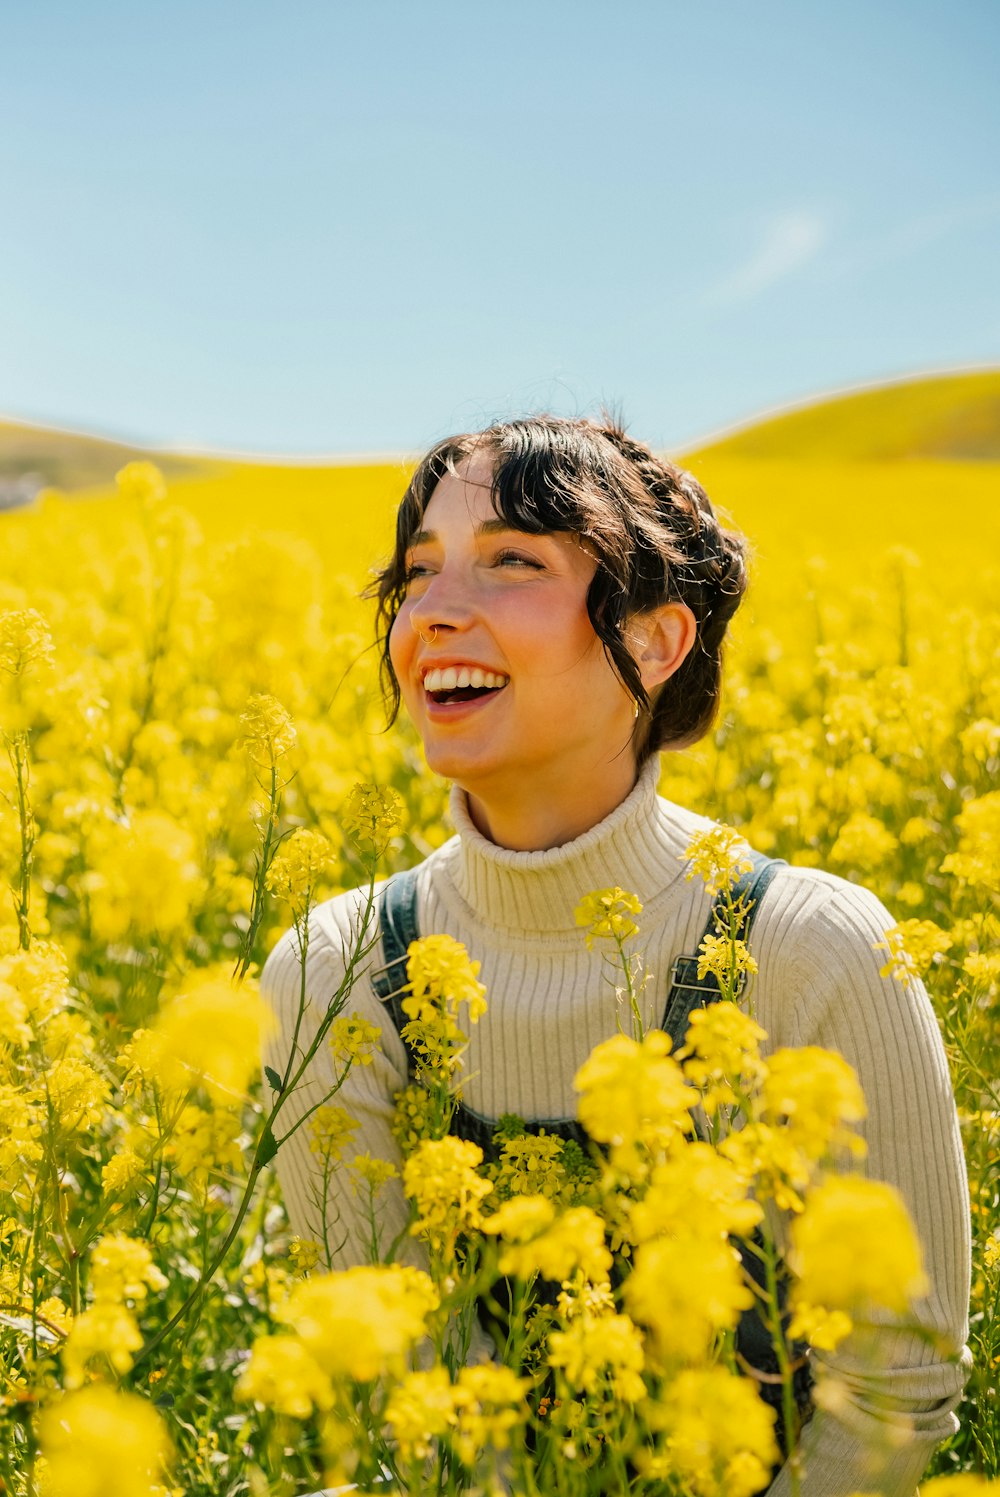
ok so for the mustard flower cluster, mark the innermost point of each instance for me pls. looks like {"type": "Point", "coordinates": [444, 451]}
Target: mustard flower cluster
{"type": "Point", "coordinates": [180, 779]}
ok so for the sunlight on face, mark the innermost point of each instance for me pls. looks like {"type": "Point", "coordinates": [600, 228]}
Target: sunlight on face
{"type": "Point", "coordinates": [512, 607]}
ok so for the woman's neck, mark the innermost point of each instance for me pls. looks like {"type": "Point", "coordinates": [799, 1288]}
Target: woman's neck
{"type": "Point", "coordinates": [550, 816]}
{"type": "Point", "coordinates": [639, 846]}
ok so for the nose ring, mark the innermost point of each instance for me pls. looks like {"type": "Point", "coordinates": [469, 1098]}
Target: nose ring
{"type": "Point", "coordinates": [428, 639]}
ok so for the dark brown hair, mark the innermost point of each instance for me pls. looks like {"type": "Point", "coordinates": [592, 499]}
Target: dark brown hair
{"type": "Point", "coordinates": [650, 525]}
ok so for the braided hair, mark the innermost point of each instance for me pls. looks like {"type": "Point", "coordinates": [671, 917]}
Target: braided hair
{"type": "Point", "coordinates": [650, 527]}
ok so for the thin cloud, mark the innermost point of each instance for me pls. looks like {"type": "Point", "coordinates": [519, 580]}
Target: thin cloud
{"type": "Point", "coordinates": [790, 241]}
{"type": "Point", "coordinates": [917, 234]}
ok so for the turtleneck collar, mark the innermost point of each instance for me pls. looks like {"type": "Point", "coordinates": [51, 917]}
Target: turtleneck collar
{"type": "Point", "coordinates": [639, 847]}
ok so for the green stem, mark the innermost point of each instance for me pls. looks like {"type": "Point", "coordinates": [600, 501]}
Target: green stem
{"type": "Point", "coordinates": [788, 1409]}
{"type": "Point", "coordinates": [267, 1143]}
{"type": "Point", "coordinates": [18, 752]}
{"type": "Point", "coordinates": [257, 903]}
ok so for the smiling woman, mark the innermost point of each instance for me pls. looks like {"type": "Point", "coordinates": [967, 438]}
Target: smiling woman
{"type": "Point", "coordinates": [553, 616]}
{"type": "Point", "coordinates": [590, 576]}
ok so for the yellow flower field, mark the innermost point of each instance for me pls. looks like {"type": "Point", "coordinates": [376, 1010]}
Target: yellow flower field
{"type": "Point", "coordinates": [186, 675]}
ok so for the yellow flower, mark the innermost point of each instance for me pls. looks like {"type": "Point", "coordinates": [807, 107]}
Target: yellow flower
{"type": "Point", "coordinates": [40, 976]}
{"type": "Point", "coordinates": [283, 1375]}
{"type": "Point", "coordinates": [633, 1096]}
{"type": "Point", "coordinates": [780, 1169]}
{"type": "Point", "coordinates": [371, 816]}
{"type": "Point", "coordinates": [372, 1173]}
{"type": "Point", "coordinates": [77, 1093]}
{"type": "Point", "coordinates": [721, 1054]}
{"type": "Point", "coordinates": [727, 960]}
{"type": "Point", "coordinates": [413, 1118]}
{"type": "Point", "coordinates": [977, 860]}
{"type": "Point", "coordinates": [983, 967]}
{"type": "Point", "coordinates": [607, 914]}
{"type": "Point", "coordinates": [362, 1322]}
{"type": "Point", "coordinates": [98, 1443]}
{"type": "Point", "coordinates": [981, 740]}
{"type": "Point", "coordinates": [13, 1014]}
{"type": "Point", "coordinates": [352, 1039]}
{"type": "Point", "coordinates": [440, 1178]}
{"type": "Point", "coordinates": [686, 1288]}
{"type": "Point", "coordinates": [204, 1145]}
{"type": "Point", "coordinates": [600, 1349]}
{"type": "Point", "coordinates": [697, 1191]}
{"type": "Point", "coordinates": [144, 876]}
{"type": "Point", "coordinates": [268, 734]}
{"type": "Point", "coordinates": [557, 1247]}
{"type": "Point", "coordinates": [304, 1254]}
{"type": "Point", "coordinates": [823, 1329]}
{"type": "Point", "coordinates": [913, 947]}
{"type": "Point", "coordinates": [122, 1268]}
{"type": "Point", "coordinates": [717, 855]}
{"type": "Point", "coordinates": [531, 1164]}
{"type": "Point", "coordinates": [141, 482]}
{"type": "Point", "coordinates": [854, 1247]}
{"type": "Point", "coordinates": [439, 973]}
{"type": "Point", "coordinates": [330, 1130]}
{"type": "Point", "coordinates": [489, 1403]}
{"type": "Point", "coordinates": [210, 1035]}
{"type": "Point", "coordinates": [25, 640]}
{"type": "Point", "coordinates": [961, 1484]}
{"type": "Point", "coordinates": [421, 1409]}
{"type": "Point", "coordinates": [817, 1096]}
{"type": "Point", "coordinates": [106, 1331]}
{"type": "Point", "coordinates": [863, 843]}
{"type": "Point", "coordinates": [521, 1219]}
{"type": "Point", "coordinates": [298, 866]}
{"type": "Point", "coordinates": [718, 1435]}
{"type": "Point", "coordinates": [122, 1170]}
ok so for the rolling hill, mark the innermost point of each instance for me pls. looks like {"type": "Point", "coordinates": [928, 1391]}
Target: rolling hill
{"type": "Point", "coordinates": [947, 417]}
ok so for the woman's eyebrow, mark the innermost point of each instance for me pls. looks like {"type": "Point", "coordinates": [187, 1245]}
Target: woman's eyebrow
{"type": "Point", "coordinates": [485, 527]}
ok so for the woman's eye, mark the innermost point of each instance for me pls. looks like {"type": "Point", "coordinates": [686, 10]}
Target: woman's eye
{"type": "Point", "coordinates": [414, 570]}
{"type": "Point", "coordinates": [518, 559]}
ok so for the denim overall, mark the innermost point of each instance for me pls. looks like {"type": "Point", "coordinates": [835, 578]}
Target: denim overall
{"type": "Point", "coordinates": [398, 921]}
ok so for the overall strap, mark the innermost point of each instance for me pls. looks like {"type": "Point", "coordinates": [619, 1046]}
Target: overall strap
{"type": "Point", "coordinates": [398, 923]}
{"type": "Point", "coordinates": [687, 990]}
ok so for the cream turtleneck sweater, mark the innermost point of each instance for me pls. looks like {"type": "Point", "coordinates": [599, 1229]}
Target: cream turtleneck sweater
{"type": "Point", "coordinates": [551, 1001]}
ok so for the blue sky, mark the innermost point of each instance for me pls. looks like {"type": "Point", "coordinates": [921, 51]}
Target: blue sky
{"type": "Point", "coordinates": [345, 227]}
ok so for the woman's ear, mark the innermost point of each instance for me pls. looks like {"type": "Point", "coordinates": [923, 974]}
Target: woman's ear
{"type": "Point", "coordinates": [660, 641]}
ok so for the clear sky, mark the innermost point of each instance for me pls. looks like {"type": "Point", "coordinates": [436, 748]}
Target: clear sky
{"type": "Point", "coordinates": [344, 227]}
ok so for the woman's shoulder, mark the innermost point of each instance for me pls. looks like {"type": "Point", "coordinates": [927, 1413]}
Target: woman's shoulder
{"type": "Point", "coordinates": [338, 923]}
{"type": "Point", "coordinates": [818, 926]}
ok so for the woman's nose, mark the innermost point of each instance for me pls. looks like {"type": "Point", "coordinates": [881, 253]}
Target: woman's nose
{"type": "Point", "coordinates": [444, 603]}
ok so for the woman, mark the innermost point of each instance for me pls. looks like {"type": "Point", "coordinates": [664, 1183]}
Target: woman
{"type": "Point", "coordinates": [552, 617]}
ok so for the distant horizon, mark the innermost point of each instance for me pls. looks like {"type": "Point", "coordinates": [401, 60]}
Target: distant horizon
{"type": "Point", "coordinates": [332, 458]}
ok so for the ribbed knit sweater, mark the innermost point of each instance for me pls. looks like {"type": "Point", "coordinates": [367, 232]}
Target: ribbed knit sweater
{"type": "Point", "coordinates": [550, 1002]}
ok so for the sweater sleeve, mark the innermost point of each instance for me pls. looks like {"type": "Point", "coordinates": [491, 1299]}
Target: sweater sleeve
{"type": "Point", "coordinates": [335, 1215]}
{"type": "Point", "coordinates": [880, 1423]}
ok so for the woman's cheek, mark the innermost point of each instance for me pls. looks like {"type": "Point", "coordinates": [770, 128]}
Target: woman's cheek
{"type": "Point", "coordinates": [401, 643]}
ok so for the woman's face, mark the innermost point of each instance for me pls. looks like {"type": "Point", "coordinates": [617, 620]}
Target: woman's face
{"type": "Point", "coordinates": [528, 703]}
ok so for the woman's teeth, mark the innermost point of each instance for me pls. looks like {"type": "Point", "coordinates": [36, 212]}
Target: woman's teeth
{"type": "Point", "coordinates": [457, 678]}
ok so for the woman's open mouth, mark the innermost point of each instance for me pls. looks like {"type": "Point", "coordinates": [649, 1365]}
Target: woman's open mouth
{"type": "Point", "coordinates": [462, 684]}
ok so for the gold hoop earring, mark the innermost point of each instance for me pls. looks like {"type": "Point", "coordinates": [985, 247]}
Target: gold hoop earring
{"type": "Point", "coordinates": [635, 710]}
{"type": "Point", "coordinates": [428, 639]}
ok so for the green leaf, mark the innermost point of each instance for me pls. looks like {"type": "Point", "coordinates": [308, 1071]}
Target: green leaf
{"type": "Point", "coordinates": [273, 1078]}
{"type": "Point", "coordinates": [267, 1148]}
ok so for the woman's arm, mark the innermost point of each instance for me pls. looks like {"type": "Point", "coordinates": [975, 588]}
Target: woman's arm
{"type": "Point", "coordinates": [335, 1212]}
{"type": "Point", "coordinates": [824, 988]}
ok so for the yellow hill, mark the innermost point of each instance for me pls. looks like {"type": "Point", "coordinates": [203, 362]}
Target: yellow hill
{"type": "Point", "coordinates": [37, 457]}
{"type": "Point", "coordinates": [847, 480]}
{"type": "Point", "coordinates": [944, 417]}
